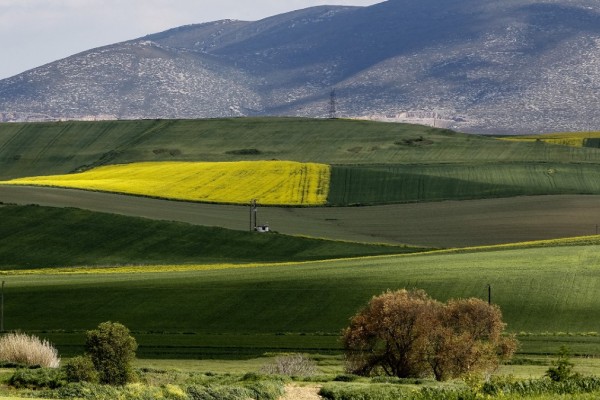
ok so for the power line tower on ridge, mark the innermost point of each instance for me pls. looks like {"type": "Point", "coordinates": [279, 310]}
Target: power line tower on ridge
{"type": "Point", "coordinates": [332, 104]}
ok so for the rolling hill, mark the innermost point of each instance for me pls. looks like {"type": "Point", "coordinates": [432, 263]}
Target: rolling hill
{"type": "Point", "coordinates": [200, 292]}
{"type": "Point", "coordinates": [372, 163]}
{"type": "Point", "coordinates": [34, 237]}
{"type": "Point", "coordinates": [235, 312]}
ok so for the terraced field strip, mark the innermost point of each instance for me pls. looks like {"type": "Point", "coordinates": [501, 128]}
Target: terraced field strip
{"type": "Point", "coordinates": [270, 182]}
{"type": "Point", "coordinates": [551, 289]}
{"type": "Point", "coordinates": [436, 224]}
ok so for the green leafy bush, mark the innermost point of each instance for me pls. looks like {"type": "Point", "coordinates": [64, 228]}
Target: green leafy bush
{"type": "Point", "coordinates": [573, 385]}
{"type": "Point", "coordinates": [81, 369]}
{"type": "Point", "coordinates": [41, 378]}
{"type": "Point", "coordinates": [266, 389]}
{"type": "Point", "coordinates": [259, 390]}
{"type": "Point", "coordinates": [218, 393]}
{"type": "Point", "coordinates": [362, 392]}
{"type": "Point", "coordinates": [112, 350]}
{"type": "Point", "coordinates": [345, 378]}
{"type": "Point", "coordinates": [562, 369]}
{"type": "Point", "coordinates": [85, 390]}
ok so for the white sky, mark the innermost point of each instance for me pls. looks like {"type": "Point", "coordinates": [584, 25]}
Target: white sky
{"type": "Point", "coordinates": [36, 32]}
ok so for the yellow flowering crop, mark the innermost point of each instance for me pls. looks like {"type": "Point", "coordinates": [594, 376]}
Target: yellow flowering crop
{"type": "Point", "coordinates": [270, 182]}
{"type": "Point", "coordinates": [573, 139]}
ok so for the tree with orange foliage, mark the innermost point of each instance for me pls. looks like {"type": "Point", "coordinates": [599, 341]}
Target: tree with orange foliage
{"type": "Point", "coordinates": [408, 334]}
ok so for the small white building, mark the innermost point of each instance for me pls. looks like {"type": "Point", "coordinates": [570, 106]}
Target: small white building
{"type": "Point", "coordinates": [262, 228]}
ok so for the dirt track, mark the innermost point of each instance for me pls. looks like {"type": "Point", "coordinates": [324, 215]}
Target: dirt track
{"type": "Point", "coordinates": [440, 224]}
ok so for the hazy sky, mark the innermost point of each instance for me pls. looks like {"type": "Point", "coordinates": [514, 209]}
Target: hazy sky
{"type": "Point", "coordinates": [35, 32]}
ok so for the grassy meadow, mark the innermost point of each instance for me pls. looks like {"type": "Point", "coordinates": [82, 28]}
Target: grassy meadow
{"type": "Point", "coordinates": [389, 183]}
{"type": "Point", "coordinates": [547, 294]}
{"type": "Point", "coordinates": [32, 149]}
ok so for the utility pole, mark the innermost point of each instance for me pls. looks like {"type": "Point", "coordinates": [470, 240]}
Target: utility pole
{"type": "Point", "coordinates": [2, 308]}
{"type": "Point", "coordinates": [489, 287]}
{"type": "Point", "coordinates": [253, 210]}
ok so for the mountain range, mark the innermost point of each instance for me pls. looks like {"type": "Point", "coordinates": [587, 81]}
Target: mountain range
{"type": "Point", "coordinates": [488, 66]}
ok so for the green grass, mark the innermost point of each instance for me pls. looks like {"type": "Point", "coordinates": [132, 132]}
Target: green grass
{"type": "Point", "coordinates": [410, 183]}
{"type": "Point", "coordinates": [32, 149]}
{"type": "Point", "coordinates": [37, 237]}
{"type": "Point", "coordinates": [539, 290]}
{"type": "Point", "coordinates": [433, 224]}
{"type": "Point", "coordinates": [375, 163]}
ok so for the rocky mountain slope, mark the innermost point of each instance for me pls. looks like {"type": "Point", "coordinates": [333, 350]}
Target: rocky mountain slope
{"type": "Point", "coordinates": [512, 66]}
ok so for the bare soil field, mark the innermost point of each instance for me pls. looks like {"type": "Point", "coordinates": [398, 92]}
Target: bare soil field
{"type": "Point", "coordinates": [436, 224]}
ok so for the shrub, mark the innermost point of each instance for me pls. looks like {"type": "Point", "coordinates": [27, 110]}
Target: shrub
{"type": "Point", "coordinates": [219, 393]}
{"type": "Point", "coordinates": [24, 349]}
{"type": "Point", "coordinates": [408, 334]}
{"type": "Point", "coordinates": [85, 390]}
{"type": "Point", "coordinates": [112, 350]}
{"type": "Point", "coordinates": [42, 378]}
{"type": "Point", "coordinates": [244, 152]}
{"type": "Point", "coordinates": [291, 365]}
{"type": "Point", "coordinates": [574, 385]}
{"type": "Point", "coordinates": [345, 378]}
{"type": "Point", "coordinates": [362, 392]}
{"type": "Point", "coordinates": [562, 369]}
{"type": "Point", "coordinates": [266, 390]}
{"type": "Point", "coordinates": [253, 386]}
{"type": "Point", "coordinates": [81, 369]}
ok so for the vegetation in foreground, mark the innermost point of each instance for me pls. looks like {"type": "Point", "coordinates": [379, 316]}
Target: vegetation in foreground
{"type": "Point", "coordinates": [185, 384]}
{"type": "Point", "coordinates": [409, 335]}
{"type": "Point", "coordinates": [105, 372]}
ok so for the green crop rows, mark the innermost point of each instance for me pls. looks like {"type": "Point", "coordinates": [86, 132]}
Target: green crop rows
{"type": "Point", "coordinates": [540, 290]}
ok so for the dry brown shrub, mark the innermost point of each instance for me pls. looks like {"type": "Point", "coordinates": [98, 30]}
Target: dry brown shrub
{"type": "Point", "coordinates": [291, 365]}
{"type": "Point", "coordinates": [21, 348]}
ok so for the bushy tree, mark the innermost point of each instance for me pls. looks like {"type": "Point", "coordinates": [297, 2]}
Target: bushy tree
{"type": "Point", "coordinates": [112, 350]}
{"type": "Point", "coordinates": [408, 334]}
{"type": "Point", "coordinates": [562, 369]}
{"type": "Point", "coordinates": [390, 334]}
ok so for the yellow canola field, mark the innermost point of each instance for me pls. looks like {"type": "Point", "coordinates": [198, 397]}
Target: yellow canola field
{"type": "Point", "coordinates": [270, 182]}
{"type": "Point", "coordinates": [573, 139]}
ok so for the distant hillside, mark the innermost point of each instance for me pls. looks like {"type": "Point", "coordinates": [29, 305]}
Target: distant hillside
{"type": "Point", "coordinates": [32, 149]}
{"type": "Point", "coordinates": [514, 66]}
